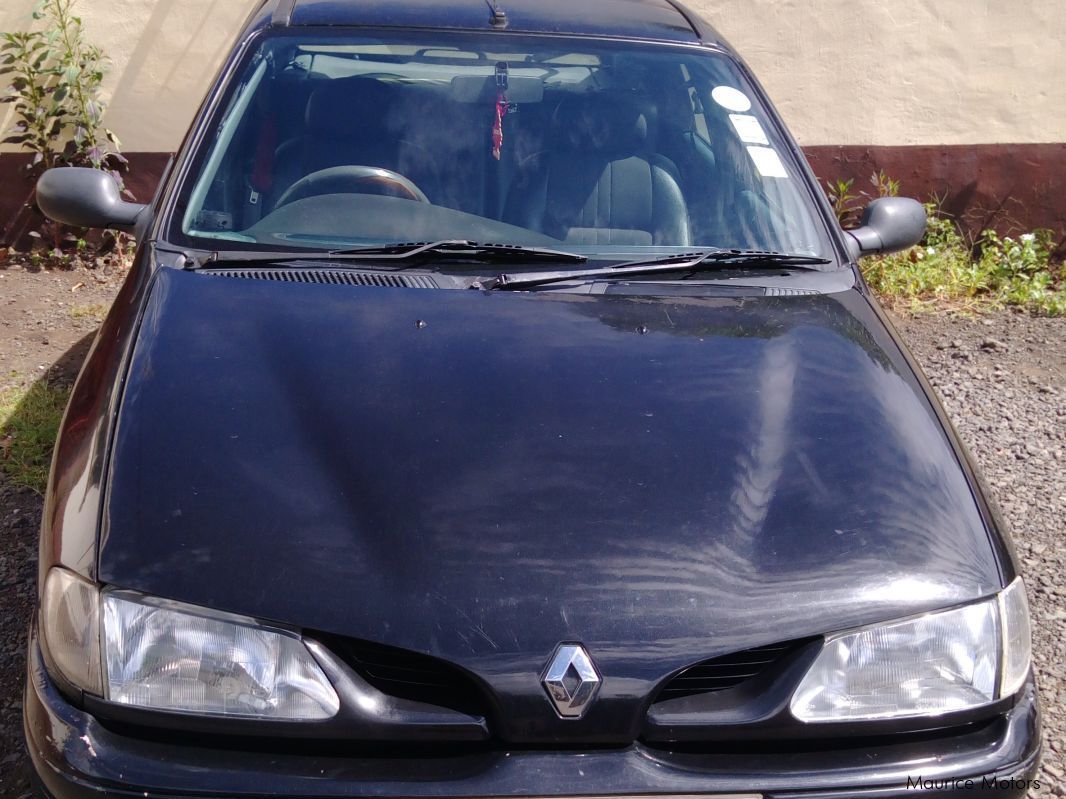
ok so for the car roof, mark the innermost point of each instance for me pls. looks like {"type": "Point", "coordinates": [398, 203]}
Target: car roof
{"type": "Point", "coordinates": [658, 20]}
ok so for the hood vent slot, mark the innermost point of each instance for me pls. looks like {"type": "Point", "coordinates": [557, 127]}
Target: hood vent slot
{"type": "Point", "coordinates": [726, 671]}
{"type": "Point", "coordinates": [332, 277]}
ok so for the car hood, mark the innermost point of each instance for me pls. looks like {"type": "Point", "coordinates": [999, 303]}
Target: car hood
{"type": "Point", "coordinates": [483, 475]}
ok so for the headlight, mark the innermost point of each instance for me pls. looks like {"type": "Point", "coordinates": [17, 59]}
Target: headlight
{"type": "Point", "coordinates": [174, 657]}
{"type": "Point", "coordinates": [70, 624]}
{"type": "Point", "coordinates": [938, 663]}
{"type": "Point", "coordinates": [1017, 641]}
{"type": "Point", "coordinates": [164, 655]}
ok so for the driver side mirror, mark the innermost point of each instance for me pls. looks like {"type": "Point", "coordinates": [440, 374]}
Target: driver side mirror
{"type": "Point", "coordinates": [84, 197]}
{"type": "Point", "coordinates": [889, 224]}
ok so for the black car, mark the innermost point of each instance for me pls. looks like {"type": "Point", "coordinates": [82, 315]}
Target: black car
{"type": "Point", "coordinates": [495, 408]}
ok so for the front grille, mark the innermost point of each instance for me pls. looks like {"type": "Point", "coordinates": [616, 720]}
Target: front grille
{"type": "Point", "coordinates": [727, 671]}
{"type": "Point", "coordinates": [334, 277]}
{"type": "Point", "coordinates": [409, 675]}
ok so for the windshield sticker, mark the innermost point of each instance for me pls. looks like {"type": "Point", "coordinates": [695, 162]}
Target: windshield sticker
{"type": "Point", "coordinates": [767, 161]}
{"type": "Point", "coordinates": [748, 129]}
{"type": "Point", "coordinates": [731, 99]}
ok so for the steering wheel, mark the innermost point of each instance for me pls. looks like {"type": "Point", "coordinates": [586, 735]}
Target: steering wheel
{"type": "Point", "coordinates": [352, 179]}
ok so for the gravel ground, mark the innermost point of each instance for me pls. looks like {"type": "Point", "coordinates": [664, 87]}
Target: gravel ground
{"type": "Point", "coordinates": [1002, 378]}
{"type": "Point", "coordinates": [1003, 382]}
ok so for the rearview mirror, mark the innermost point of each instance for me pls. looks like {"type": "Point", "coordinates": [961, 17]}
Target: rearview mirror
{"type": "Point", "coordinates": [84, 197]}
{"type": "Point", "coordinates": [889, 224]}
{"type": "Point", "coordinates": [483, 89]}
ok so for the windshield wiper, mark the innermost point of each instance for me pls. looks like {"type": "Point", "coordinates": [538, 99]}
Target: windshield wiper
{"type": "Point", "coordinates": [417, 252]}
{"type": "Point", "coordinates": [680, 262]}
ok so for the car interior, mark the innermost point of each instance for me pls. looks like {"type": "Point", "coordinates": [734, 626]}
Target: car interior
{"type": "Point", "coordinates": [589, 149]}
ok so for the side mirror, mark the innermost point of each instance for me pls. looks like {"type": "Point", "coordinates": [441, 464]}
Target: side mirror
{"type": "Point", "coordinates": [889, 224]}
{"type": "Point", "coordinates": [84, 197]}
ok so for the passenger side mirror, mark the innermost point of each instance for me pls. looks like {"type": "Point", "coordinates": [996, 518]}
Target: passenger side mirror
{"type": "Point", "coordinates": [84, 197]}
{"type": "Point", "coordinates": [889, 224]}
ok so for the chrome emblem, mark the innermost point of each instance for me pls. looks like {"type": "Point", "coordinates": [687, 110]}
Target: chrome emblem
{"type": "Point", "coordinates": [571, 680]}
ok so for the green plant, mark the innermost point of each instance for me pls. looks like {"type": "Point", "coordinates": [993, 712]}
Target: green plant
{"type": "Point", "coordinates": [79, 70]}
{"type": "Point", "coordinates": [948, 269]}
{"type": "Point", "coordinates": [842, 200]}
{"type": "Point", "coordinates": [1020, 271]}
{"type": "Point", "coordinates": [55, 87]}
{"type": "Point", "coordinates": [846, 204]}
{"type": "Point", "coordinates": [55, 78]}
{"type": "Point", "coordinates": [884, 186]}
{"type": "Point", "coordinates": [40, 114]}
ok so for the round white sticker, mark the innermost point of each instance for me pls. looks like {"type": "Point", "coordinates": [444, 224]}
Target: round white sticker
{"type": "Point", "coordinates": [731, 99]}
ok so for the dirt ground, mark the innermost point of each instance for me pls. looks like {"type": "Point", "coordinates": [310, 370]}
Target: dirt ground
{"type": "Point", "coordinates": [47, 320]}
{"type": "Point", "coordinates": [1002, 377]}
{"type": "Point", "coordinates": [45, 313]}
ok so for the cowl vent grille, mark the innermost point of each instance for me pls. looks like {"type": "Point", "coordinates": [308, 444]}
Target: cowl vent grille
{"type": "Point", "coordinates": [727, 671]}
{"type": "Point", "coordinates": [781, 291]}
{"type": "Point", "coordinates": [333, 277]}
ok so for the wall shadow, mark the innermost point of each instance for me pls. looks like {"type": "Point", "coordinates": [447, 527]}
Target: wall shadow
{"type": "Point", "coordinates": [161, 79]}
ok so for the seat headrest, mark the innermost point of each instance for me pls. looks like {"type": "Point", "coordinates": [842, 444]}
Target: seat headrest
{"type": "Point", "coordinates": [617, 126]}
{"type": "Point", "coordinates": [349, 108]}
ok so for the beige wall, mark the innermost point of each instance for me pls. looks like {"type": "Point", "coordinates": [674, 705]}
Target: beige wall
{"type": "Point", "coordinates": [164, 54]}
{"type": "Point", "coordinates": [906, 71]}
{"type": "Point", "coordinates": [841, 71]}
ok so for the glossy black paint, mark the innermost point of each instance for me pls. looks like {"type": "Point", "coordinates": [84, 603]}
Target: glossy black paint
{"type": "Point", "coordinates": [525, 469]}
{"type": "Point", "coordinates": [73, 503]}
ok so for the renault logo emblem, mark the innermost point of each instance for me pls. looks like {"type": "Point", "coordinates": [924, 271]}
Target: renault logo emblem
{"type": "Point", "coordinates": [571, 680]}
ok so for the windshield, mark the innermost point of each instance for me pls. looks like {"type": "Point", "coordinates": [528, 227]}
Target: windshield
{"type": "Point", "coordinates": [334, 141]}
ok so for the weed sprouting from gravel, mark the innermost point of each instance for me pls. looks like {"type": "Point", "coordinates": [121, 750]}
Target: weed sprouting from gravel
{"type": "Point", "coordinates": [29, 422]}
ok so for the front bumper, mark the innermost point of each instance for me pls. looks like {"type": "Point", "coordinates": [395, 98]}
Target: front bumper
{"type": "Point", "coordinates": [76, 756]}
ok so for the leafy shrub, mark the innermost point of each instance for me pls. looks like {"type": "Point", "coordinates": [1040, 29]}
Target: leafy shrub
{"type": "Point", "coordinates": [948, 270]}
{"type": "Point", "coordinates": [55, 78]}
{"type": "Point", "coordinates": [1020, 271]}
{"type": "Point", "coordinates": [884, 186]}
{"type": "Point", "coordinates": [843, 201]}
{"type": "Point", "coordinates": [848, 206]}
{"type": "Point", "coordinates": [22, 58]}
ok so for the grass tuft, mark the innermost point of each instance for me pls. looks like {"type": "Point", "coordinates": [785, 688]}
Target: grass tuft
{"type": "Point", "coordinates": [96, 312]}
{"type": "Point", "coordinates": [29, 423]}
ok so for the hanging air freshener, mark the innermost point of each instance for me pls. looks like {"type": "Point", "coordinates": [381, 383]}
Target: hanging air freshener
{"type": "Point", "coordinates": [501, 110]}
